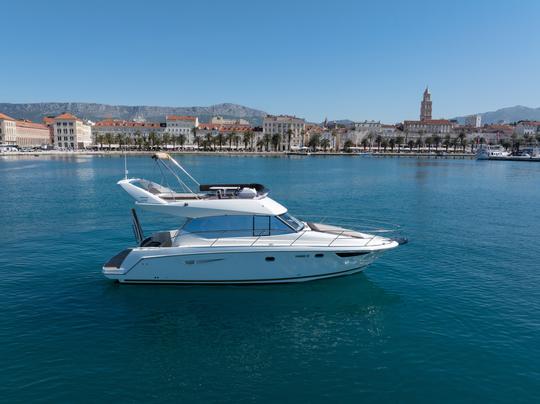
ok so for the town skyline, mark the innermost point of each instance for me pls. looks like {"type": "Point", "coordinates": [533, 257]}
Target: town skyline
{"type": "Point", "coordinates": [348, 61]}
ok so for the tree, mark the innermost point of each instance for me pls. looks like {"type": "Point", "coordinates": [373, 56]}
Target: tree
{"type": "Point", "coordinates": [100, 138]}
{"type": "Point", "coordinates": [119, 139]}
{"type": "Point", "coordinates": [276, 140]}
{"type": "Point", "coordinates": [289, 136]}
{"type": "Point", "coordinates": [139, 140]}
{"type": "Point", "coordinates": [436, 141]}
{"type": "Point", "coordinates": [267, 138]}
{"type": "Point", "coordinates": [166, 139]}
{"type": "Point", "coordinates": [410, 143]}
{"type": "Point", "coordinates": [220, 140]}
{"type": "Point", "coordinates": [230, 138]}
{"type": "Point", "coordinates": [447, 141]}
{"type": "Point", "coordinates": [152, 139]}
{"type": "Point", "coordinates": [392, 144]}
{"type": "Point", "coordinates": [109, 138]}
{"type": "Point", "coordinates": [378, 140]}
{"type": "Point", "coordinates": [384, 144]}
{"type": "Point", "coordinates": [364, 142]}
{"type": "Point", "coordinates": [428, 142]}
{"type": "Point", "coordinates": [464, 144]}
{"type": "Point", "coordinates": [399, 141]}
{"type": "Point", "coordinates": [419, 143]}
{"type": "Point", "coordinates": [181, 139]}
{"type": "Point", "coordinates": [325, 143]}
{"type": "Point", "coordinates": [247, 138]}
{"type": "Point", "coordinates": [462, 139]}
{"type": "Point", "coordinates": [208, 141]}
{"type": "Point", "coordinates": [236, 139]}
{"type": "Point", "coordinates": [196, 140]}
{"type": "Point", "coordinates": [260, 144]}
{"type": "Point", "coordinates": [347, 146]}
{"type": "Point", "coordinates": [314, 141]}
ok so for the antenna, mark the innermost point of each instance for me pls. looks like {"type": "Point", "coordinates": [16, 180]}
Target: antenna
{"type": "Point", "coordinates": [125, 165]}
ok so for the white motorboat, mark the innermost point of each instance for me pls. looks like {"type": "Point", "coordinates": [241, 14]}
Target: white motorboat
{"type": "Point", "coordinates": [234, 234]}
{"type": "Point", "coordinates": [489, 152]}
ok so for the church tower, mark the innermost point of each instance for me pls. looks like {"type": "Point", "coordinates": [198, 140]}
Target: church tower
{"type": "Point", "coordinates": [425, 106]}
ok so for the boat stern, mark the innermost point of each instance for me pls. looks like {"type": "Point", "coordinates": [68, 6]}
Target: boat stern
{"type": "Point", "coordinates": [113, 269]}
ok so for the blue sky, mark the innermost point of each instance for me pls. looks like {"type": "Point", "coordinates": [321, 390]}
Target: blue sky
{"type": "Point", "coordinates": [316, 59]}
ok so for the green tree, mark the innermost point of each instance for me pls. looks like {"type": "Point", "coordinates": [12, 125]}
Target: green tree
{"type": "Point", "coordinates": [392, 144]}
{"type": "Point", "coordinates": [276, 140]}
{"type": "Point", "coordinates": [399, 142]}
{"type": "Point", "coordinates": [436, 141]}
{"type": "Point", "coordinates": [410, 143]}
{"type": "Point", "coordinates": [447, 141]}
{"type": "Point", "coordinates": [325, 143]}
{"type": "Point", "coordinates": [378, 140]}
{"type": "Point", "coordinates": [314, 141]}
{"type": "Point", "coordinates": [109, 138]}
{"type": "Point", "coordinates": [289, 136]}
{"type": "Point", "coordinates": [247, 138]}
{"type": "Point", "coordinates": [347, 145]}
{"type": "Point", "coordinates": [267, 138]}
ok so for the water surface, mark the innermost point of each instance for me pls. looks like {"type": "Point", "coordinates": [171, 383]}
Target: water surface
{"type": "Point", "coordinates": [453, 315]}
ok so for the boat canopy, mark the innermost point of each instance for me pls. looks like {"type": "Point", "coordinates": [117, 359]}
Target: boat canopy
{"type": "Point", "coordinates": [210, 200]}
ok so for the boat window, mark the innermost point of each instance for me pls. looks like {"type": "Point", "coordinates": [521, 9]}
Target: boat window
{"type": "Point", "coordinates": [293, 222]}
{"type": "Point", "coordinates": [221, 226]}
{"type": "Point", "coordinates": [261, 225]}
{"type": "Point", "coordinates": [277, 226]}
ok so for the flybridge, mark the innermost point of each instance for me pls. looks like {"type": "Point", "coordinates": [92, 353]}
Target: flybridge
{"type": "Point", "coordinates": [208, 200]}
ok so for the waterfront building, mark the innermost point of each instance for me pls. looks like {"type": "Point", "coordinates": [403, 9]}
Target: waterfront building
{"type": "Point", "coordinates": [388, 131]}
{"type": "Point", "coordinates": [431, 126]}
{"type": "Point", "coordinates": [282, 124]}
{"type": "Point", "coordinates": [23, 133]}
{"type": "Point", "coordinates": [527, 128]}
{"type": "Point", "coordinates": [129, 129]}
{"type": "Point", "coordinates": [474, 121]}
{"type": "Point", "coordinates": [71, 132]}
{"type": "Point", "coordinates": [224, 130]}
{"type": "Point", "coordinates": [181, 125]}
{"type": "Point", "coordinates": [425, 106]}
{"type": "Point", "coordinates": [219, 120]}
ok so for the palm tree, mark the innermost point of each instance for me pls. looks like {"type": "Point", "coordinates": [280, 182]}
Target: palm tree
{"type": "Point", "coordinates": [109, 138]}
{"type": "Point", "coordinates": [392, 144]}
{"type": "Point", "coordinates": [152, 139]}
{"type": "Point", "coordinates": [276, 140]}
{"type": "Point", "coordinates": [334, 139]}
{"type": "Point", "coordinates": [384, 144]}
{"type": "Point", "coordinates": [236, 140]}
{"type": "Point", "coordinates": [314, 141]}
{"type": "Point", "coordinates": [139, 140]}
{"type": "Point", "coordinates": [447, 141]}
{"type": "Point", "coordinates": [119, 139]}
{"type": "Point", "coordinates": [436, 141]}
{"type": "Point", "coordinates": [247, 138]}
{"type": "Point", "coordinates": [378, 140]}
{"type": "Point", "coordinates": [410, 143]}
{"type": "Point", "coordinates": [229, 137]}
{"type": "Point", "coordinates": [325, 143]}
{"type": "Point", "coordinates": [267, 138]}
{"type": "Point", "coordinates": [166, 139]}
{"type": "Point", "coordinates": [347, 146]}
{"type": "Point", "coordinates": [364, 142]}
{"type": "Point", "coordinates": [462, 138]}
{"type": "Point", "coordinates": [100, 138]}
{"type": "Point", "coordinates": [260, 144]}
{"type": "Point", "coordinates": [370, 140]}
{"type": "Point", "coordinates": [428, 142]}
{"type": "Point", "coordinates": [194, 131]}
{"type": "Point", "coordinates": [289, 135]}
{"type": "Point", "coordinates": [399, 141]}
{"type": "Point", "coordinates": [181, 139]}
{"type": "Point", "coordinates": [419, 143]}
{"type": "Point", "coordinates": [220, 139]}
{"type": "Point", "coordinates": [208, 141]}
{"type": "Point", "coordinates": [464, 144]}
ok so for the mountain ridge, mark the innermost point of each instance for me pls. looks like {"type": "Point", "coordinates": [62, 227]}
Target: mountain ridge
{"type": "Point", "coordinates": [97, 111]}
{"type": "Point", "coordinates": [507, 115]}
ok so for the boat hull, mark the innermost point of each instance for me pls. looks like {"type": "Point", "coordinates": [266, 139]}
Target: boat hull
{"type": "Point", "coordinates": [233, 267]}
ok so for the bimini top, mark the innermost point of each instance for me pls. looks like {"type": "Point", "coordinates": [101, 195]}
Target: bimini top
{"type": "Point", "coordinates": [210, 200]}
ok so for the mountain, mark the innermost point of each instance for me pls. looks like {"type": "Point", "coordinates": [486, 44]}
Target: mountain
{"type": "Point", "coordinates": [95, 112]}
{"type": "Point", "coordinates": [509, 114]}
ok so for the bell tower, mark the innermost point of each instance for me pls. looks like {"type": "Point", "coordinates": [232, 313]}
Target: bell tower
{"type": "Point", "coordinates": [425, 106]}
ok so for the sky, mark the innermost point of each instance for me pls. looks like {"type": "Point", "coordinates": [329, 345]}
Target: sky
{"type": "Point", "coordinates": [314, 59]}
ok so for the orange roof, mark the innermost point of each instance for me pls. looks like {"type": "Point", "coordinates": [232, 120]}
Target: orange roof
{"type": "Point", "coordinates": [47, 120]}
{"type": "Point", "coordinates": [224, 127]}
{"type": "Point", "coordinates": [429, 122]}
{"type": "Point", "coordinates": [67, 115]}
{"type": "Point", "coordinates": [180, 118]}
{"type": "Point", "coordinates": [4, 116]}
{"type": "Point", "coordinates": [28, 124]}
{"type": "Point", "coordinates": [119, 122]}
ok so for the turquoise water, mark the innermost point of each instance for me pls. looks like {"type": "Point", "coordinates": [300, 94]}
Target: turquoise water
{"type": "Point", "coordinates": [452, 316]}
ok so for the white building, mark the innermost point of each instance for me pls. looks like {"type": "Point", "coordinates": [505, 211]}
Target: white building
{"type": "Point", "coordinates": [23, 133]}
{"type": "Point", "coordinates": [528, 128]}
{"type": "Point", "coordinates": [282, 124]}
{"type": "Point", "coordinates": [474, 121]}
{"type": "Point", "coordinates": [181, 125]}
{"type": "Point", "coordinates": [70, 132]}
{"type": "Point", "coordinates": [131, 129]}
{"type": "Point", "coordinates": [428, 127]}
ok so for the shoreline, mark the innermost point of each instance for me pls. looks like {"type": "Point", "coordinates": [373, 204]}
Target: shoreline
{"type": "Point", "coordinates": [103, 153]}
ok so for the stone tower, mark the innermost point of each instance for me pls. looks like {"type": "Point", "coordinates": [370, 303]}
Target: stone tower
{"type": "Point", "coordinates": [425, 106]}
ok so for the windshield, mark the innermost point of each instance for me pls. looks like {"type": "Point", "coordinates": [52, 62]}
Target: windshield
{"type": "Point", "coordinates": [293, 222]}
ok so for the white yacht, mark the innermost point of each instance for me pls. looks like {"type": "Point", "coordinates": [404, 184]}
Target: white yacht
{"type": "Point", "coordinates": [488, 152]}
{"type": "Point", "coordinates": [234, 234]}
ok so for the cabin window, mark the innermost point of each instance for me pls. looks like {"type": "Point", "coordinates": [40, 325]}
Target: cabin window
{"type": "Point", "coordinates": [293, 222]}
{"type": "Point", "coordinates": [261, 226]}
{"type": "Point", "coordinates": [220, 226]}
